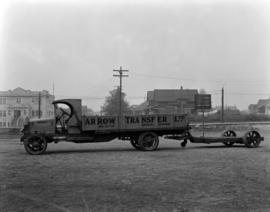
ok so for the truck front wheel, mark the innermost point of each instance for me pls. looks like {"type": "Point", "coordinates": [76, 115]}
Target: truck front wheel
{"type": "Point", "coordinates": [148, 141]}
{"type": "Point", "coordinates": [35, 144]}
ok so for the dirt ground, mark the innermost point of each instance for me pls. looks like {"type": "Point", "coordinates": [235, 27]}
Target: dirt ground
{"type": "Point", "coordinates": [115, 177]}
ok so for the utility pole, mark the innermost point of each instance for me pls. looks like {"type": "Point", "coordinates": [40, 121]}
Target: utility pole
{"type": "Point", "coordinates": [39, 102]}
{"type": "Point", "coordinates": [120, 75]}
{"type": "Point", "coordinates": [222, 104]}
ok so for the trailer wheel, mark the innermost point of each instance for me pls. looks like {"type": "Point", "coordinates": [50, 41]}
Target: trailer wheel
{"type": "Point", "coordinates": [184, 143]}
{"type": "Point", "coordinates": [35, 144]}
{"type": "Point", "coordinates": [187, 137]}
{"type": "Point", "coordinates": [229, 133]}
{"type": "Point", "coordinates": [148, 141]}
{"type": "Point", "coordinates": [252, 139]}
{"type": "Point", "coordinates": [134, 143]}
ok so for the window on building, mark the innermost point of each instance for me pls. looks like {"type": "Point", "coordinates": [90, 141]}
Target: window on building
{"type": "Point", "coordinates": [0, 113]}
{"type": "Point", "coordinates": [33, 113]}
{"type": "Point", "coordinates": [35, 100]}
{"type": "Point", "coordinates": [9, 113]}
{"type": "Point", "coordinates": [2, 101]}
{"type": "Point", "coordinates": [4, 124]}
{"type": "Point", "coordinates": [4, 113]}
{"type": "Point", "coordinates": [18, 100]}
{"type": "Point", "coordinates": [0, 124]}
{"type": "Point", "coordinates": [24, 112]}
{"type": "Point", "coordinates": [40, 113]}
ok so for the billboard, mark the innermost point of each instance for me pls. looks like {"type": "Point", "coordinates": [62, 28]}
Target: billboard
{"type": "Point", "coordinates": [203, 101]}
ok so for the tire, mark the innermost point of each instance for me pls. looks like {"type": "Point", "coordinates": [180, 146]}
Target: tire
{"type": "Point", "coordinates": [134, 143]}
{"type": "Point", "coordinates": [35, 144]}
{"type": "Point", "coordinates": [148, 141]}
{"type": "Point", "coordinates": [252, 139]}
{"type": "Point", "coordinates": [184, 143]}
{"type": "Point", "coordinates": [229, 133]}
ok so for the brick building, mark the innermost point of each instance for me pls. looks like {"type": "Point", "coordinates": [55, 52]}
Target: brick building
{"type": "Point", "coordinates": [171, 101]}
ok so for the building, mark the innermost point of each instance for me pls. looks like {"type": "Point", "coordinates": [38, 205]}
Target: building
{"type": "Point", "coordinates": [18, 104]}
{"type": "Point", "coordinates": [262, 107]}
{"type": "Point", "coordinates": [171, 101]}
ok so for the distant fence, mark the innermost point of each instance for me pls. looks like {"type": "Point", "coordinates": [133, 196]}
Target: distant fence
{"type": "Point", "coordinates": [10, 131]}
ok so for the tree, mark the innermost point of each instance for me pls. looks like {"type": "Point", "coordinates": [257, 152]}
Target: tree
{"type": "Point", "coordinates": [202, 91]}
{"type": "Point", "coordinates": [111, 104]}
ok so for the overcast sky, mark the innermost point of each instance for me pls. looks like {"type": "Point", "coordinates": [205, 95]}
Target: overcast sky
{"type": "Point", "coordinates": [75, 45]}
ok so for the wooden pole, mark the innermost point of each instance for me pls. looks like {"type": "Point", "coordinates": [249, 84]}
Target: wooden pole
{"type": "Point", "coordinates": [222, 105]}
{"type": "Point", "coordinates": [121, 75]}
{"type": "Point", "coordinates": [203, 122]}
{"type": "Point", "coordinates": [39, 102]}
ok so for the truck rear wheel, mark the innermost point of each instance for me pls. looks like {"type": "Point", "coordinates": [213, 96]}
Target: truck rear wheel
{"type": "Point", "coordinates": [35, 144]}
{"type": "Point", "coordinates": [148, 141]}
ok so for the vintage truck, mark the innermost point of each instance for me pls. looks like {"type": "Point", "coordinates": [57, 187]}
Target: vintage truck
{"type": "Point", "coordinates": [69, 124]}
{"type": "Point", "coordinates": [143, 131]}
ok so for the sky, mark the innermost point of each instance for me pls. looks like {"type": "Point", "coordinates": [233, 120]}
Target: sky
{"type": "Point", "coordinates": [76, 45]}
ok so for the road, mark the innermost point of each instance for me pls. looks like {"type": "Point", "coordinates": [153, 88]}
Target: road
{"type": "Point", "coordinates": [115, 177]}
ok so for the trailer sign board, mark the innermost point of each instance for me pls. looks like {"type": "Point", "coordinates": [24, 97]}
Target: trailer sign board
{"type": "Point", "coordinates": [203, 101]}
{"type": "Point", "coordinates": [161, 121]}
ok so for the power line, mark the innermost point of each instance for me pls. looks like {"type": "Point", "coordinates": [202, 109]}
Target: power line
{"type": "Point", "coordinates": [200, 80]}
{"type": "Point", "coordinates": [141, 97]}
{"type": "Point", "coordinates": [247, 94]}
{"type": "Point", "coordinates": [96, 97]}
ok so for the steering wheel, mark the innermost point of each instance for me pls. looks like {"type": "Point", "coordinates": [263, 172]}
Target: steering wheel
{"type": "Point", "coordinates": [61, 119]}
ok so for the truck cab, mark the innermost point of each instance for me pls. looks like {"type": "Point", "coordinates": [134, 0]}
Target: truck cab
{"type": "Point", "coordinates": [67, 119]}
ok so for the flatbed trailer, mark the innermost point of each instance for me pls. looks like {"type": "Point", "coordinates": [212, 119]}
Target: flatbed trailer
{"type": "Point", "coordinates": [251, 138]}
{"type": "Point", "coordinates": [143, 131]}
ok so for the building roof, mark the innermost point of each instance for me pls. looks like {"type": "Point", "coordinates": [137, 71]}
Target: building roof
{"type": "Point", "coordinates": [171, 95]}
{"type": "Point", "coordinates": [22, 92]}
{"type": "Point", "coordinates": [263, 102]}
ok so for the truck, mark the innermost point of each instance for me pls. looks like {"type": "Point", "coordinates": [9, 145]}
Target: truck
{"type": "Point", "coordinates": [68, 124]}
{"type": "Point", "coordinates": [143, 131]}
